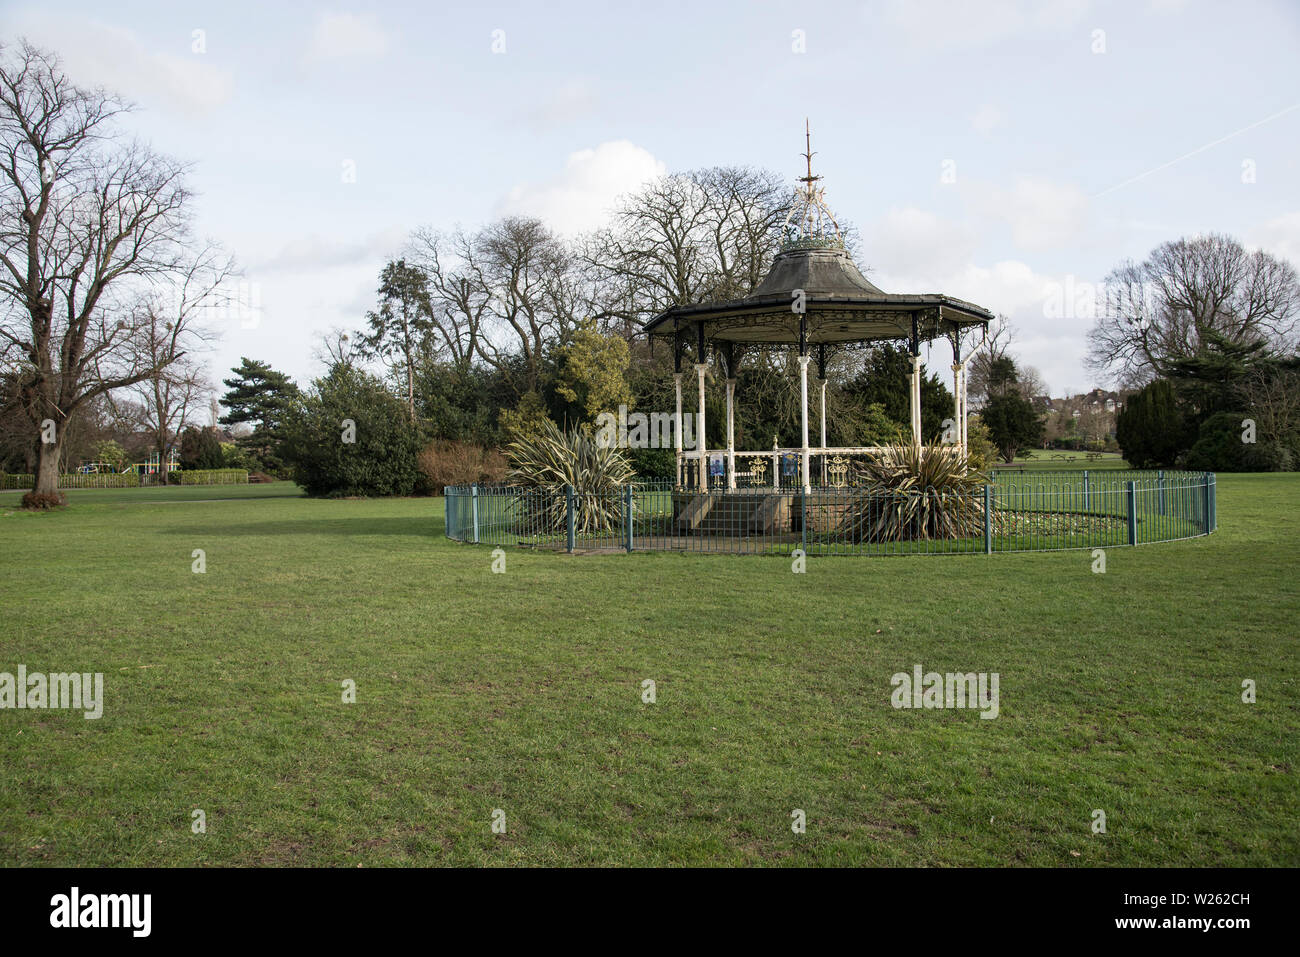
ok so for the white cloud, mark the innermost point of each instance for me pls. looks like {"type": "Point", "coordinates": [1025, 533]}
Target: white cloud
{"type": "Point", "coordinates": [572, 100]}
{"type": "Point", "coordinates": [338, 35]}
{"type": "Point", "coordinates": [1029, 299]}
{"type": "Point", "coordinates": [1279, 236]}
{"type": "Point", "coordinates": [308, 253]}
{"type": "Point", "coordinates": [96, 54]}
{"type": "Point", "coordinates": [579, 197]}
{"type": "Point", "coordinates": [987, 119]}
{"type": "Point", "coordinates": [911, 241]}
{"type": "Point", "coordinates": [1042, 214]}
{"type": "Point", "coordinates": [959, 24]}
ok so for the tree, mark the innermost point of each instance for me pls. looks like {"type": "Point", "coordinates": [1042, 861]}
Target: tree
{"type": "Point", "coordinates": [1163, 310]}
{"type": "Point", "coordinates": [169, 399]}
{"type": "Point", "coordinates": [399, 328]}
{"type": "Point", "coordinates": [531, 283]}
{"type": "Point", "coordinates": [259, 396]}
{"type": "Point", "coordinates": [1002, 376]}
{"type": "Point", "coordinates": [1206, 382]}
{"type": "Point", "coordinates": [460, 295]}
{"type": "Point", "coordinates": [684, 238]}
{"type": "Point", "coordinates": [94, 246]}
{"type": "Point", "coordinates": [1150, 428]}
{"type": "Point", "coordinates": [883, 380]}
{"type": "Point", "coordinates": [348, 435]}
{"type": "Point", "coordinates": [1270, 394]}
{"type": "Point", "coordinates": [109, 452]}
{"type": "Point", "coordinates": [201, 449]}
{"type": "Point", "coordinates": [995, 347]}
{"type": "Point", "coordinates": [1012, 423]}
{"type": "Point", "coordinates": [591, 374]}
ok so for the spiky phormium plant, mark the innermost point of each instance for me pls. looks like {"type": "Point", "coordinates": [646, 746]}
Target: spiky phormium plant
{"type": "Point", "coordinates": [549, 458]}
{"type": "Point", "coordinates": [907, 492]}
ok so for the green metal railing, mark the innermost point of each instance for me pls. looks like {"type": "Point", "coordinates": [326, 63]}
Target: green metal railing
{"type": "Point", "coordinates": [1033, 511]}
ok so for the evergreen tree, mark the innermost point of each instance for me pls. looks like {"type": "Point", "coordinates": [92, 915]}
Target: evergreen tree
{"type": "Point", "coordinates": [261, 397]}
{"type": "Point", "coordinates": [1012, 422]}
{"type": "Point", "coordinates": [1150, 428]}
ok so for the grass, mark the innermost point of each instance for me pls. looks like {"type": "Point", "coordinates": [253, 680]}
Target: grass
{"type": "Point", "coordinates": [1050, 460]}
{"type": "Point", "coordinates": [522, 691]}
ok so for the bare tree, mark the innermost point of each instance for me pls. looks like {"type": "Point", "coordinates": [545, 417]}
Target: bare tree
{"type": "Point", "coordinates": [1160, 311]}
{"type": "Point", "coordinates": [694, 237]}
{"type": "Point", "coordinates": [334, 348]}
{"type": "Point", "coordinates": [171, 400]}
{"type": "Point", "coordinates": [529, 274]}
{"type": "Point", "coordinates": [1270, 392]}
{"type": "Point", "coordinates": [979, 373]}
{"type": "Point", "coordinates": [459, 292]}
{"type": "Point", "coordinates": [1030, 381]}
{"type": "Point", "coordinates": [92, 226]}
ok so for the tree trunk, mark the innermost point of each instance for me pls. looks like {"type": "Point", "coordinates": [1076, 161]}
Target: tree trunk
{"type": "Point", "coordinates": [47, 468]}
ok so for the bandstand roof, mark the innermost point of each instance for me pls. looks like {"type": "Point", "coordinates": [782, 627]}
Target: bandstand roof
{"type": "Point", "coordinates": [840, 304]}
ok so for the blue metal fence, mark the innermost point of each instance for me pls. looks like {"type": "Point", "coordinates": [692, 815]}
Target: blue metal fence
{"type": "Point", "coordinates": [1032, 511]}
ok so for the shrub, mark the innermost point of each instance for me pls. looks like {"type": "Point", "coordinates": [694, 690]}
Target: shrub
{"type": "Point", "coordinates": [1269, 457]}
{"type": "Point", "coordinates": [444, 463]}
{"type": "Point", "coordinates": [980, 451]}
{"type": "Point", "coordinates": [653, 463]}
{"type": "Point", "coordinates": [910, 493]}
{"type": "Point", "coordinates": [1150, 428]}
{"type": "Point", "coordinates": [201, 449]}
{"type": "Point", "coordinates": [552, 459]}
{"type": "Point", "coordinates": [1012, 422]}
{"type": "Point", "coordinates": [213, 477]}
{"type": "Point", "coordinates": [1219, 448]}
{"type": "Point", "coordinates": [379, 459]}
{"type": "Point", "coordinates": [39, 501]}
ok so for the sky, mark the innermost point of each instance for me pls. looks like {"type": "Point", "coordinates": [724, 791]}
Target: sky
{"type": "Point", "coordinates": [1008, 153]}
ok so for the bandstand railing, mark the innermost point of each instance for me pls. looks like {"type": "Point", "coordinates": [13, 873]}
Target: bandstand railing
{"type": "Point", "coordinates": [1012, 512]}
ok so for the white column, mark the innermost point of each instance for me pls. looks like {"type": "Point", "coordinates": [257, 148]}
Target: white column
{"type": "Point", "coordinates": [961, 422]}
{"type": "Point", "coordinates": [916, 401]}
{"type": "Point", "coordinates": [803, 409]}
{"type": "Point", "coordinates": [957, 401]}
{"type": "Point", "coordinates": [677, 425]}
{"type": "Point", "coordinates": [822, 384]}
{"type": "Point", "coordinates": [731, 434]}
{"type": "Point", "coordinates": [700, 442]}
{"type": "Point", "coordinates": [822, 387]}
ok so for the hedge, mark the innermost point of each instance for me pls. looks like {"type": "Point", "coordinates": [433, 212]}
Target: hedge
{"type": "Point", "coordinates": [14, 480]}
{"type": "Point", "coordinates": [211, 476]}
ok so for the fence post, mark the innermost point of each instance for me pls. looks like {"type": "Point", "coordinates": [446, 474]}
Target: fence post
{"type": "Point", "coordinates": [627, 512]}
{"type": "Point", "coordinates": [1131, 491]}
{"type": "Point", "coordinates": [1160, 485]}
{"type": "Point", "coordinates": [568, 518]}
{"type": "Point", "coordinates": [988, 519]}
{"type": "Point", "coordinates": [803, 525]}
{"type": "Point", "coordinates": [473, 497]}
{"type": "Point", "coordinates": [1087, 498]}
{"type": "Point", "coordinates": [1209, 521]}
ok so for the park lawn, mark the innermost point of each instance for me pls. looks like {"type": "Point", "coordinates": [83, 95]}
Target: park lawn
{"type": "Point", "coordinates": [522, 692]}
{"type": "Point", "coordinates": [1052, 460]}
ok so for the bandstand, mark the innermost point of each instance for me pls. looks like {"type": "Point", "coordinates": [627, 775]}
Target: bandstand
{"type": "Point", "coordinates": [814, 299]}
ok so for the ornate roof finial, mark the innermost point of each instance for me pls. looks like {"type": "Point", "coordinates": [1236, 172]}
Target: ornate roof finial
{"type": "Point", "coordinates": [809, 223]}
